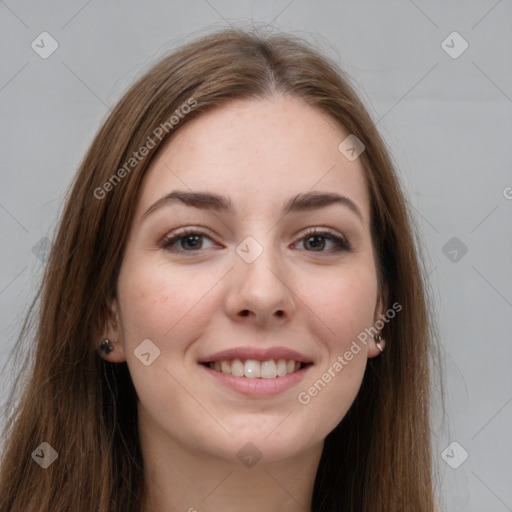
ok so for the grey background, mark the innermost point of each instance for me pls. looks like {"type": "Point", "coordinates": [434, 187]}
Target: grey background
{"type": "Point", "coordinates": [447, 122]}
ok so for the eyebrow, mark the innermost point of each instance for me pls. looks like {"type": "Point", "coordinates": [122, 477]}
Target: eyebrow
{"type": "Point", "coordinates": [206, 200]}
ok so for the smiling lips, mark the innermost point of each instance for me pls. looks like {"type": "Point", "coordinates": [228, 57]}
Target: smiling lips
{"type": "Point", "coordinates": [253, 369]}
{"type": "Point", "coordinates": [255, 363]}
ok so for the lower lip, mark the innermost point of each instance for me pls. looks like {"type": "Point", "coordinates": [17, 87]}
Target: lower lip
{"type": "Point", "coordinates": [258, 386]}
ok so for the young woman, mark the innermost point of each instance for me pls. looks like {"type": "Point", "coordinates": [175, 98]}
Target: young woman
{"type": "Point", "coordinates": [232, 316]}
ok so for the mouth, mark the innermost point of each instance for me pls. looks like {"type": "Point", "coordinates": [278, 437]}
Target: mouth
{"type": "Point", "coordinates": [257, 372]}
{"type": "Point", "coordinates": [254, 369]}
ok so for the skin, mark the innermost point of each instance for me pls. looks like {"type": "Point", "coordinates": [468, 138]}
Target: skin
{"type": "Point", "coordinates": [259, 153]}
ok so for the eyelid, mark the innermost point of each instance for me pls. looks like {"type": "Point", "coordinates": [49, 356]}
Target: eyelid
{"type": "Point", "coordinates": [340, 240]}
{"type": "Point", "coordinates": [337, 238]}
{"type": "Point", "coordinates": [171, 238]}
{"type": "Point", "coordinates": [324, 231]}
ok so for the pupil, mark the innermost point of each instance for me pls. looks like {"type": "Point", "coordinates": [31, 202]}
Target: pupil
{"type": "Point", "coordinates": [192, 237]}
{"type": "Point", "coordinates": [315, 245]}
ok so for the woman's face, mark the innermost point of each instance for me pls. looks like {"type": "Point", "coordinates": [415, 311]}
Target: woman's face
{"type": "Point", "coordinates": [250, 288]}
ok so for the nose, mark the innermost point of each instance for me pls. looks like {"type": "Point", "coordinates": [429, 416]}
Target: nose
{"type": "Point", "coordinates": [260, 292]}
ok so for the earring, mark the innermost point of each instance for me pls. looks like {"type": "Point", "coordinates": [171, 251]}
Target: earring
{"type": "Point", "coordinates": [378, 339]}
{"type": "Point", "coordinates": [106, 346]}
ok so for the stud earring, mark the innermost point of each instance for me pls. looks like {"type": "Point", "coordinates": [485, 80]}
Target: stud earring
{"type": "Point", "coordinates": [106, 346]}
{"type": "Point", "coordinates": [378, 339]}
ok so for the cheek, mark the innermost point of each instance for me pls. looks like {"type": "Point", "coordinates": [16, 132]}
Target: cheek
{"type": "Point", "coordinates": [352, 312]}
{"type": "Point", "coordinates": [167, 307]}
{"type": "Point", "coordinates": [345, 308]}
{"type": "Point", "coordinates": [162, 304]}
{"type": "Point", "coordinates": [343, 305]}
{"type": "Point", "coordinates": [174, 308]}
{"type": "Point", "coordinates": [354, 306]}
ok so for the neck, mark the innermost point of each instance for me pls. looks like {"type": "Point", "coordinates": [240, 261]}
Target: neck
{"type": "Point", "coordinates": [179, 478]}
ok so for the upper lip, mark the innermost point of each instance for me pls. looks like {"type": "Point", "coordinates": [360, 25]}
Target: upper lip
{"type": "Point", "coordinates": [258, 354]}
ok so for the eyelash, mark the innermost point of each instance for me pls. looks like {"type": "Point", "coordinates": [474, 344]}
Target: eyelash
{"type": "Point", "coordinates": [341, 243]}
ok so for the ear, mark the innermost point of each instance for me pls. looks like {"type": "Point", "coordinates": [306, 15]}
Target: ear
{"type": "Point", "coordinates": [111, 329]}
{"type": "Point", "coordinates": [378, 321]}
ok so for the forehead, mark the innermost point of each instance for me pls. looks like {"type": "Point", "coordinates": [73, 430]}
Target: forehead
{"type": "Point", "coordinates": [258, 152]}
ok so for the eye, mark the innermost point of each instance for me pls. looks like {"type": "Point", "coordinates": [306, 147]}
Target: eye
{"type": "Point", "coordinates": [189, 241]}
{"type": "Point", "coordinates": [316, 240]}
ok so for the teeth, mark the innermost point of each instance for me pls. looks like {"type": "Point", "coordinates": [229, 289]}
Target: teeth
{"type": "Point", "coordinates": [281, 368]}
{"type": "Point", "coordinates": [237, 368]}
{"type": "Point", "coordinates": [253, 369]}
{"type": "Point", "coordinates": [268, 369]}
{"type": "Point", "coordinates": [225, 367]}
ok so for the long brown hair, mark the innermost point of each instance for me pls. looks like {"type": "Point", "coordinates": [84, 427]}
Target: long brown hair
{"type": "Point", "coordinates": [377, 459]}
